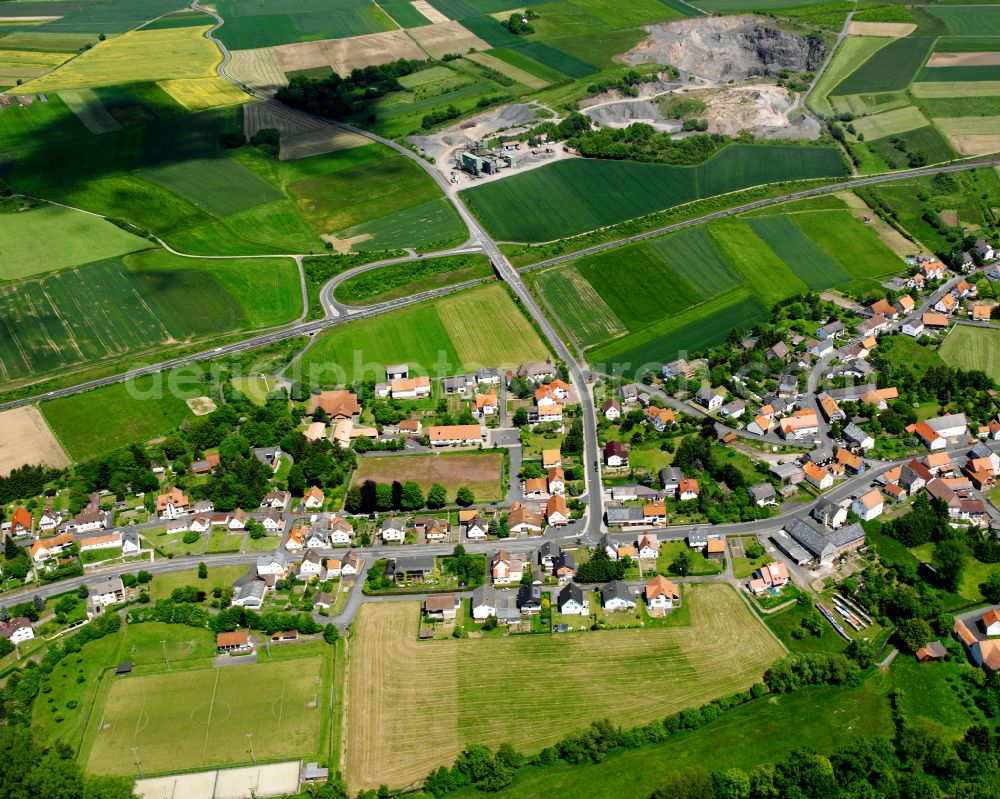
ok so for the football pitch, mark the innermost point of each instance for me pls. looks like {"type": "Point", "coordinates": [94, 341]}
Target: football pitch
{"type": "Point", "coordinates": [204, 718]}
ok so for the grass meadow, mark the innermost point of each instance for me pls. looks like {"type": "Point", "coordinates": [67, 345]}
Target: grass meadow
{"type": "Point", "coordinates": [890, 68]}
{"type": "Point", "coordinates": [250, 25]}
{"type": "Point", "coordinates": [971, 348]}
{"type": "Point", "coordinates": [853, 52]}
{"type": "Point", "coordinates": [576, 195]}
{"type": "Point", "coordinates": [481, 472]}
{"type": "Point", "coordinates": [401, 280]}
{"type": "Point", "coordinates": [49, 237]}
{"type": "Point", "coordinates": [669, 669]}
{"type": "Point", "coordinates": [101, 420]}
{"type": "Point", "coordinates": [477, 327]}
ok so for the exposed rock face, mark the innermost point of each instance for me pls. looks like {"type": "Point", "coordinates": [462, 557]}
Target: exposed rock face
{"type": "Point", "coordinates": [727, 48]}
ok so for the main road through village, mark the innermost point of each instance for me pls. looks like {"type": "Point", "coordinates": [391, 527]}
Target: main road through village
{"type": "Point", "coordinates": [588, 530]}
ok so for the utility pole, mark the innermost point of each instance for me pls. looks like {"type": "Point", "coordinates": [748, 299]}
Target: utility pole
{"type": "Point", "coordinates": [138, 762]}
{"type": "Point", "coordinates": [165, 659]}
{"type": "Point", "coordinates": [250, 738]}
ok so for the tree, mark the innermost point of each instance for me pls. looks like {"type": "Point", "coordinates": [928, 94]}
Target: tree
{"type": "Point", "coordinates": [949, 561]}
{"type": "Point", "coordinates": [202, 571]}
{"type": "Point", "coordinates": [437, 496]}
{"type": "Point", "coordinates": [331, 634]}
{"type": "Point", "coordinates": [913, 634]}
{"type": "Point", "coordinates": [689, 783]}
{"type": "Point", "coordinates": [38, 602]}
{"type": "Point", "coordinates": [465, 497]}
{"type": "Point", "coordinates": [991, 588]}
{"type": "Point", "coordinates": [11, 550]}
{"type": "Point", "coordinates": [144, 577]}
{"type": "Point", "coordinates": [383, 496]}
{"type": "Point", "coordinates": [412, 497]}
{"type": "Point", "coordinates": [107, 788]}
{"type": "Point", "coordinates": [352, 501]}
{"type": "Point", "coordinates": [520, 417]}
{"type": "Point", "coordinates": [682, 563]}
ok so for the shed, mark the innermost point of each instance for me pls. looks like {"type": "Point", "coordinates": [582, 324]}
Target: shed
{"type": "Point", "coordinates": [122, 669]}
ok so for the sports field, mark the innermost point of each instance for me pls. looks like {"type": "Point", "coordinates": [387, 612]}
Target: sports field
{"type": "Point", "coordinates": [478, 327]}
{"type": "Point", "coordinates": [574, 195]}
{"type": "Point", "coordinates": [201, 718]}
{"type": "Point", "coordinates": [971, 348]}
{"type": "Point", "coordinates": [668, 669]}
{"type": "Point", "coordinates": [50, 237]}
{"type": "Point", "coordinates": [480, 472]}
{"type": "Point", "coordinates": [136, 56]}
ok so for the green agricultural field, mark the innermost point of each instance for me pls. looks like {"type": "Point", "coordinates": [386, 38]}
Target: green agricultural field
{"type": "Point", "coordinates": [233, 294]}
{"type": "Point", "coordinates": [101, 420]}
{"type": "Point", "coordinates": [853, 52]}
{"type": "Point", "coordinates": [971, 348]}
{"type": "Point", "coordinates": [585, 315]}
{"type": "Point", "coordinates": [961, 126]}
{"type": "Point", "coordinates": [927, 140]}
{"type": "Point", "coordinates": [810, 264]}
{"type": "Point", "coordinates": [956, 106]}
{"type": "Point", "coordinates": [958, 74]}
{"type": "Point", "coordinates": [404, 14]}
{"type": "Point", "coordinates": [968, 20]}
{"type": "Point", "coordinates": [692, 330]}
{"type": "Point", "coordinates": [274, 701]}
{"type": "Point", "coordinates": [770, 278]}
{"type": "Point", "coordinates": [851, 244]}
{"type": "Point", "coordinates": [90, 110]}
{"type": "Point", "coordinates": [763, 731]}
{"type": "Point", "coordinates": [49, 237]}
{"type": "Point", "coordinates": [576, 195]}
{"type": "Point", "coordinates": [432, 224]}
{"type": "Point", "coordinates": [957, 89]}
{"type": "Point", "coordinates": [488, 329]}
{"type": "Point", "coordinates": [115, 16]}
{"type": "Point", "coordinates": [666, 659]}
{"type": "Point", "coordinates": [890, 122]}
{"type": "Point", "coordinates": [401, 280]}
{"type": "Point", "coordinates": [478, 327]}
{"type": "Point", "coordinates": [889, 69]}
{"type": "Point", "coordinates": [967, 44]}
{"type": "Point", "coordinates": [271, 228]}
{"type": "Point", "coordinates": [489, 30]}
{"type": "Point", "coordinates": [249, 25]}
{"type": "Point", "coordinates": [521, 61]}
{"type": "Point", "coordinates": [219, 186]}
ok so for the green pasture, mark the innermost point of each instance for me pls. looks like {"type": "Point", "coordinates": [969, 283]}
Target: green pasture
{"type": "Point", "coordinates": [968, 20]}
{"type": "Point", "coordinates": [972, 348]}
{"type": "Point", "coordinates": [812, 265]}
{"type": "Point", "coordinates": [114, 16]}
{"type": "Point", "coordinates": [250, 25]}
{"type": "Point", "coordinates": [926, 140]}
{"type": "Point", "coordinates": [431, 224]}
{"type": "Point", "coordinates": [585, 314]}
{"type": "Point", "coordinates": [853, 52]}
{"type": "Point", "coordinates": [404, 14]}
{"type": "Point", "coordinates": [967, 44]}
{"type": "Point", "coordinates": [958, 74]}
{"type": "Point", "coordinates": [576, 195]}
{"type": "Point", "coordinates": [50, 237]}
{"type": "Point", "coordinates": [219, 186]}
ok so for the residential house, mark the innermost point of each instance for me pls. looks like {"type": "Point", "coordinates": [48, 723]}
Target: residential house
{"type": "Point", "coordinates": [572, 601]}
{"type": "Point", "coordinates": [487, 404]}
{"type": "Point", "coordinates": [476, 528]}
{"type": "Point", "coordinates": [535, 488]}
{"type": "Point", "coordinates": [629, 394]}
{"type": "Point", "coordinates": [831, 330]}
{"type": "Point", "coordinates": [411, 569]}
{"type": "Point", "coordinates": [556, 512]}
{"type": "Point", "coordinates": [453, 435]}
{"type": "Point", "coordinates": [94, 541]}
{"type": "Point", "coordinates": [269, 456]}
{"type": "Point", "coordinates": [48, 521]}
{"type": "Point", "coordinates": [688, 489]}
{"type": "Point", "coordinates": [648, 547]}
{"type": "Point", "coordinates": [484, 603]}
{"type": "Point", "coordinates": [44, 548]}
{"type": "Point", "coordinates": [984, 250]}
{"type": "Point", "coordinates": [821, 547]}
{"type": "Point", "coordinates": [733, 410]}
{"type": "Point", "coordinates": [856, 438]}
{"type": "Point", "coordinates": [410, 387]}
{"type": "Point", "coordinates": [946, 305]}
{"type": "Point", "coordinates": [20, 521]}
{"type": "Point", "coordinates": [339, 531]}
{"type": "Point", "coordinates": [763, 494]}
{"type": "Point", "coordinates": [393, 530]}
{"type": "Point", "coordinates": [172, 505]}
{"type": "Point", "coordinates": [624, 516]}
{"type": "Point", "coordinates": [458, 385]}
{"type": "Point", "coordinates": [522, 520]}
{"type": "Point", "coordinates": [397, 371]}
{"type": "Point", "coordinates": [615, 455]}
{"type": "Point", "coordinates": [311, 566]}
{"type": "Point", "coordinates": [536, 370]}
{"type": "Point", "coordinates": [678, 368]}
{"type": "Point", "coordinates": [788, 387]}
{"type": "Point", "coordinates": [564, 566]}
{"type": "Point", "coordinates": [611, 408]}
{"type": "Point", "coordinates": [990, 622]}
{"type": "Point", "coordinates": [829, 513]}
{"type": "Point", "coordinates": [410, 427]}
{"type": "Point", "coordinates": [849, 462]}
{"type": "Point", "coordinates": [982, 313]}
{"type": "Point", "coordinates": [709, 398]}
{"type": "Point", "coordinates": [934, 321]}
{"type": "Point", "coordinates": [17, 631]}
{"type": "Point", "coordinates": [801, 424]}
{"type": "Point", "coordinates": [904, 305]}
{"type": "Point", "coordinates": [556, 480]}
{"type": "Point", "coordinates": [771, 575]}
{"type": "Point", "coordinates": [276, 500]}
{"type": "Point", "coordinates": [103, 593]}
{"type": "Point", "coordinates": [660, 418]}
{"type": "Point", "coordinates": [352, 563]}
{"type": "Point", "coordinates": [529, 599]}
{"type": "Point", "coordinates": [551, 458]}
{"type": "Point", "coordinates": [506, 568]}
{"type": "Point", "coordinates": [272, 521]}
{"type": "Point", "coordinates": [831, 410]}
{"type": "Point", "coordinates": [869, 505]}
{"type": "Point", "coordinates": [332, 568]}
{"type": "Point", "coordinates": [443, 607]}
{"type": "Point", "coordinates": [662, 594]}
{"type": "Point", "coordinates": [273, 564]}
{"type": "Point", "coordinates": [788, 473]}
{"type": "Point", "coordinates": [670, 480]}
{"type": "Point", "coordinates": [313, 498]}
{"type": "Point", "coordinates": [761, 425]}
{"type": "Point", "coordinates": [316, 431]}
{"type": "Point", "coordinates": [818, 477]}
{"type": "Point", "coordinates": [544, 414]}
{"type": "Point", "coordinates": [616, 596]}
{"type": "Point", "coordinates": [489, 376]}
{"type": "Point", "coordinates": [821, 348]}
{"type": "Point", "coordinates": [778, 352]}
{"type": "Point", "coordinates": [434, 529]}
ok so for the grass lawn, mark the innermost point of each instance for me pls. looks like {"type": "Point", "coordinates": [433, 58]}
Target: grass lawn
{"type": "Point", "coordinates": [904, 350]}
{"type": "Point", "coordinates": [164, 584]}
{"type": "Point", "coordinates": [256, 389]}
{"type": "Point", "coordinates": [275, 701]}
{"type": "Point", "coordinates": [266, 543]}
{"type": "Point", "coordinates": [969, 348]}
{"type": "Point", "coordinates": [51, 237]}
{"type": "Point", "coordinates": [478, 471]}
{"type": "Point", "coordinates": [222, 541]}
{"type": "Point", "coordinates": [699, 563]}
{"type": "Point", "coordinates": [783, 622]}
{"type": "Point", "coordinates": [682, 667]}
{"type": "Point", "coordinates": [402, 280]}
{"type": "Point", "coordinates": [762, 731]}
{"type": "Point", "coordinates": [935, 691]}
